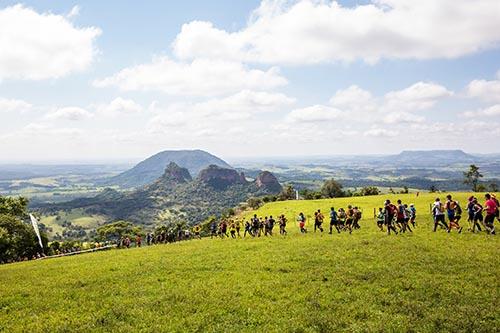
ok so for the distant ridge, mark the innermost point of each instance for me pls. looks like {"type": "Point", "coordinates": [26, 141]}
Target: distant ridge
{"type": "Point", "coordinates": [432, 157]}
{"type": "Point", "coordinates": [153, 167]}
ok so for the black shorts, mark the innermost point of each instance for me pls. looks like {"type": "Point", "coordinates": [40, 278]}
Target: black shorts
{"type": "Point", "coordinates": [478, 217]}
{"type": "Point", "coordinates": [439, 218]}
{"type": "Point", "coordinates": [400, 220]}
{"type": "Point", "coordinates": [333, 222]}
{"type": "Point", "coordinates": [489, 219]}
{"type": "Point", "coordinates": [457, 218]}
{"type": "Point", "coordinates": [348, 221]}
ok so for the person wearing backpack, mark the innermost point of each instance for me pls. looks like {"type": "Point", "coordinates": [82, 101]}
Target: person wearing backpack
{"type": "Point", "coordinates": [302, 223]}
{"type": "Point", "coordinates": [478, 215]}
{"type": "Point", "coordinates": [491, 212]}
{"type": "Point", "coordinates": [333, 220]}
{"type": "Point", "coordinates": [357, 217]}
{"type": "Point", "coordinates": [451, 209]}
{"type": "Point", "coordinates": [380, 219]}
{"type": "Point", "coordinates": [282, 222]}
{"type": "Point", "coordinates": [438, 214]}
{"type": "Point", "coordinates": [318, 221]}
{"type": "Point", "coordinates": [390, 213]}
{"type": "Point", "coordinates": [413, 215]}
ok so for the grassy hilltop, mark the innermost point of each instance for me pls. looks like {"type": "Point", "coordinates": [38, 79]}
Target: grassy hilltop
{"type": "Point", "coordinates": [364, 282]}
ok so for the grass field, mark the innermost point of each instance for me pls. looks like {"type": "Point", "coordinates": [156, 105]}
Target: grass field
{"type": "Point", "coordinates": [364, 282]}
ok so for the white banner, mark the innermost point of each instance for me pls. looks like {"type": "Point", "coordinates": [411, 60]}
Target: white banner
{"type": "Point", "coordinates": [34, 222]}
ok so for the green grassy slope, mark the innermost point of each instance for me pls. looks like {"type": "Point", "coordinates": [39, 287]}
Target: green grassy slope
{"type": "Point", "coordinates": [364, 282]}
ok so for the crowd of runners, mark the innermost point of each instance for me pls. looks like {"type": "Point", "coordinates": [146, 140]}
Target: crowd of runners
{"type": "Point", "coordinates": [396, 217]}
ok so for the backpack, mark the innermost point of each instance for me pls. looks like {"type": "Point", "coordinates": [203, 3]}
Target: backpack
{"type": "Point", "coordinates": [458, 209]}
{"type": "Point", "coordinates": [393, 209]}
{"type": "Point", "coordinates": [358, 215]}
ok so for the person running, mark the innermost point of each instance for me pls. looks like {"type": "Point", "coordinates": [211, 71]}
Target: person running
{"type": "Point", "coordinates": [213, 229]}
{"type": "Point", "coordinates": [390, 213]}
{"type": "Point", "coordinates": [223, 229]}
{"type": "Point", "coordinates": [342, 216]}
{"type": "Point", "coordinates": [356, 217]}
{"type": "Point", "coordinates": [478, 215]}
{"type": "Point", "coordinates": [333, 220]}
{"type": "Point", "coordinates": [407, 217]}
{"type": "Point", "coordinates": [318, 221]}
{"type": "Point", "coordinates": [148, 238]}
{"type": "Point", "coordinates": [451, 208]}
{"type": "Point", "coordinates": [302, 223]}
{"type": "Point", "coordinates": [494, 198]}
{"type": "Point", "coordinates": [349, 218]}
{"type": "Point", "coordinates": [401, 218]}
{"type": "Point", "coordinates": [232, 229]}
{"type": "Point", "coordinates": [262, 225]}
{"type": "Point", "coordinates": [238, 226]}
{"type": "Point", "coordinates": [138, 240]}
{"type": "Point", "coordinates": [491, 208]}
{"type": "Point", "coordinates": [282, 222]}
{"type": "Point", "coordinates": [380, 219]}
{"type": "Point", "coordinates": [470, 212]}
{"type": "Point", "coordinates": [270, 224]}
{"type": "Point", "coordinates": [438, 214]}
{"type": "Point", "coordinates": [248, 229]}
{"type": "Point", "coordinates": [255, 225]}
{"type": "Point", "coordinates": [413, 215]}
{"type": "Point", "coordinates": [197, 231]}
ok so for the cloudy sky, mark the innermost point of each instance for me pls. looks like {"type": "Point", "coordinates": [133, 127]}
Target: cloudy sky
{"type": "Point", "coordinates": [115, 80]}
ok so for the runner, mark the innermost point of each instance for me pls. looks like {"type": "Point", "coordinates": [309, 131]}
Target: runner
{"type": "Point", "coordinates": [380, 219]}
{"type": "Point", "coordinates": [491, 213]}
{"type": "Point", "coordinates": [470, 211]}
{"type": "Point", "coordinates": [333, 220]}
{"type": "Point", "coordinates": [232, 229]}
{"type": "Point", "coordinates": [197, 230]}
{"type": "Point", "coordinates": [302, 223]}
{"type": "Point", "coordinates": [213, 229]}
{"type": "Point", "coordinates": [401, 217]}
{"type": "Point", "coordinates": [438, 214]}
{"type": "Point", "coordinates": [451, 208]}
{"type": "Point", "coordinates": [407, 217]}
{"type": "Point", "coordinates": [282, 222]}
{"type": "Point", "coordinates": [357, 216]}
{"type": "Point", "coordinates": [238, 225]}
{"type": "Point", "coordinates": [270, 224]}
{"type": "Point", "coordinates": [494, 198]}
{"type": "Point", "coordinates": [349, 218]}
{"type": "Point", "coordinates": [478, 215]}
{"type": "Point", "coordinates": [318, 220]}
{"type": "Point", "coordinates": [255, 225]}
{"type": "Point", "coordinates": [342, 216]}
{"type": "Point", "coordinates": [390, 213]}
{"type": "Point", "coordinates": [413, 215]}
{"type": "Point", "coordinates": [248, 229]}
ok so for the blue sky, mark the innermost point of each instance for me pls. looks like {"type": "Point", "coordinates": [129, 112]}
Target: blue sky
{"type": "Point", "coordinates": [96, 80]}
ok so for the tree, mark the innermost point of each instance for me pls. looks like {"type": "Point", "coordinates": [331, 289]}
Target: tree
{"type": "Point", "coordinates": [332, 189]}
{"type": "Point", "coordinates": [117, 230]}
{"type": "Point", "coordinates": [370, 190]}
{"type": "Point", "coordinates": [433, 189]}
{"type": "Point", "coordinates": [254, 202]}
{"type": "Point", "coordinates": [493, 187]}
{"type": "Point", "coordinates": [472, 176]}
{"type": "Point", "coordinates": [287, 193]}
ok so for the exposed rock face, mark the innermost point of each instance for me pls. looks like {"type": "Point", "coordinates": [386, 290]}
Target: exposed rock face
{"type": "Point", "coordinates": [175, 173]}
{"type": "Point", "coordinates": [267, 181]}
{"type": "Point", "coordinates": [221, 178]}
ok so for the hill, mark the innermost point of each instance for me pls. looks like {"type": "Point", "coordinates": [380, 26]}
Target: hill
{"type": "Point", "coordinates": [432, 157]}
{"type": "Point", "coordinates": [174, 195]}
{"type": "Point", "coordinates": [151, 168]}
{"type": "Point", "coordinates": [364, 282]}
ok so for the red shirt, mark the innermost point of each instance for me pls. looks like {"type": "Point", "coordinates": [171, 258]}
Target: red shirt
{"type": "Point", "coordinates": [491, 207]}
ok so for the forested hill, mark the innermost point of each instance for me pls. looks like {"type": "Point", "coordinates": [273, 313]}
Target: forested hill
{"type": "Point", "coordinates": [151, 168]}
{"type": "Point", "coordinates": [175, 195]}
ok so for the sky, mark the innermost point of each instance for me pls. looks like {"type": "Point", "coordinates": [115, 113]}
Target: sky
{"type": "Point", "coordinates": [116, 80]}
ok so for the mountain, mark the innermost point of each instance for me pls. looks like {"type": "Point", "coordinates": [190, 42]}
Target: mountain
{"type": "Point", "coordinates": [151, 168]}
{"type": "Point", "coordinates": [432, 157]}
{"type": "Point", "coordinates": [175, 195]}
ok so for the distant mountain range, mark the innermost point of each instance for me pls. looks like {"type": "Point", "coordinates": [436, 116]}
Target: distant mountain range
{"type": "Point", "coordinates": [175, 194]}
{"type": "Point", "coordinates": [151, 168]}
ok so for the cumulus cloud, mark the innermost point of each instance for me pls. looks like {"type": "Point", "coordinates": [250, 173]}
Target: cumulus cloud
{"type": "Point", "coordinates": [402, 117]}
{"type": "Point", "coordinates": [353, 98]}
{"type": "Point", "coordinates": [315, 113]}
{"type": "Point", "coordinates": [419, 96]}
{"type": "Point", "coordinates": [380, 132]}
{"type": "Point", "coordinates": [120, 106]}
{"type": "Point", "coordinates": [488, 91]}
{"type": "Point", "coordinates": [491, 111]}
{"type": "Point", "coordinates": [310, 31]}
{"type": "Point", "coordinates": [72, 113]}
{"type": "Point", "coordinates": [39, 46]}
{"type": "Point", "coordinates": [199, 77]}
{"type": "Point", "coordinates": [14, 105]}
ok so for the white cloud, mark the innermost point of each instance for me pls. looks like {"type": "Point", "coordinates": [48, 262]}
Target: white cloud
{"type": "Point", "coordinates": [491, 111]}
{"type": "Point", "coordinates": [14, 105]}
{"type": "Point", "coordinates": [69, 113]}
{"type": "Point", "coordinates": [75, 11]}
{"type": "Point", "coordinates": [402, 117]}
{"type": "Point", "coordinates": [315, 113]}
{"type": "Point", "coordinates": [488, 91]}
{"type": "Point", "coordinates": [199, 77]}
{"type": "Point", "coordinates": [120, 106]}
{"type": "Point", "coordinates": [353, 98]}
{"type": "Point", "coordinates": [310, 31]}
{"type": "Point", "coordinates": [380, 132]}
{"type": "Point", "coordinates": [419, 96]}
{"type": "Point", "coordinates": [40, 46]}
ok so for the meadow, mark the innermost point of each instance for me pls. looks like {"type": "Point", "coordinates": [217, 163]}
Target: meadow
{"type": "Point", "coordinates": [364, 282]}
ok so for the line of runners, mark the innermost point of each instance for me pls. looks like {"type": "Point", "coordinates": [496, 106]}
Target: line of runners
{"type": "Point", "coordinates": [398, 218]}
